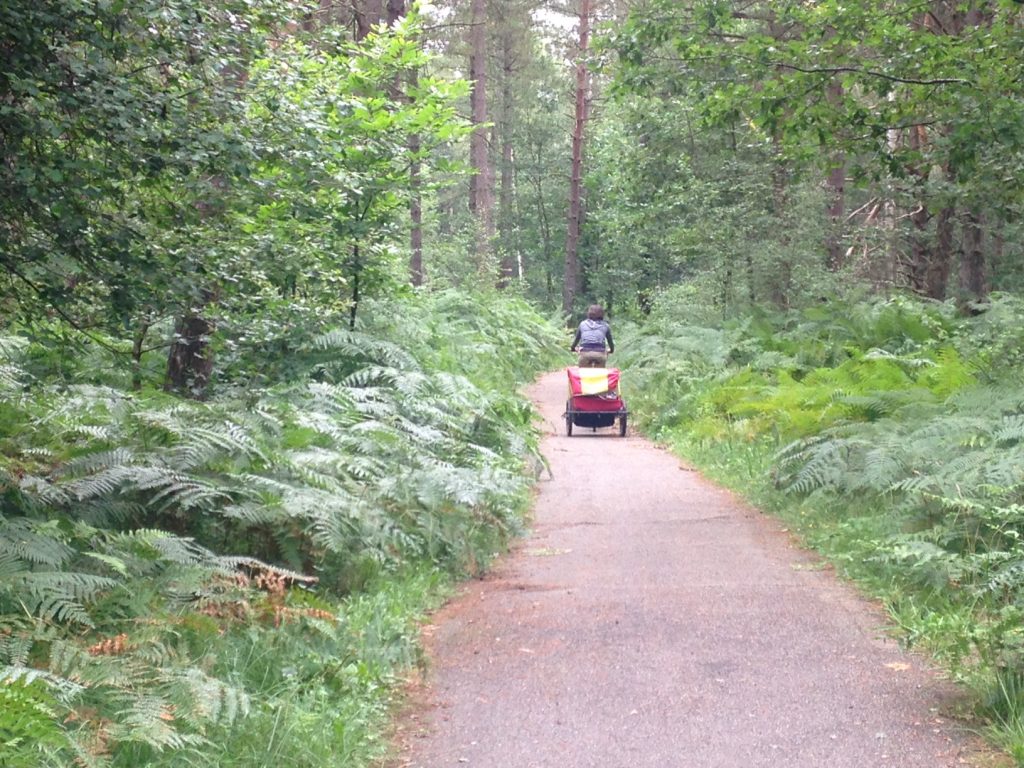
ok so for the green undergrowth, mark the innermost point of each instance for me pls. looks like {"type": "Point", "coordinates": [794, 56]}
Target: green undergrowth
{"type": "Point", "coordinates": [889, 436]}
{"type": "Point", "coordinates": [238, 581]}
{"type": "Point", "coordinates": [318, 688]}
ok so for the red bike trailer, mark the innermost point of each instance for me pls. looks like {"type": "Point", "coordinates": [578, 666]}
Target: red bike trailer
{"type": "Point", "coordinates": [594, 401]}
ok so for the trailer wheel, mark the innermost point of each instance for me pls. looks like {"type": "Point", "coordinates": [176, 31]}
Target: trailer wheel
{"type": "Point", "coordinates": [568, 418]}
{"type": "Point", "coordinates": [622, 426]}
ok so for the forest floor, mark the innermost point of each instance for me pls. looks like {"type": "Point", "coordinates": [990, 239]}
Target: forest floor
{"type": "Point", "coordinates": [652, 620]}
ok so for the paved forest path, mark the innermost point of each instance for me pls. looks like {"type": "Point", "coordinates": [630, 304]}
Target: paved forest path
{"type": "Point", "coordinates": [652, 621]}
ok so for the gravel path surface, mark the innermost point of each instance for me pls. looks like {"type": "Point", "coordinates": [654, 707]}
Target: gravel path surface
{"type": "Point", "coordinates": [653, 621]}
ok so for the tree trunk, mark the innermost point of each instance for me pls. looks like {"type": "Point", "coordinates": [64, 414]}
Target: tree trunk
{"type": "Point", "coordinates": [937, 274]}
{"type": "Point", "coordinates": [357, 267]}
{"type": "Point", "coordinates": [836, 197]}
{"type": "Point", "coordinates": [366, 13]}
{"type": "Point", "coordinates": [507, 271]}
{"type": "Point", "coordinates": [394, 11]}
{"type": "Point", "coordinates": [920, 250]}
{"type": "Point", "coordinates": [724, 296]}
{"type": "Point", "coordinates": [888, 272]}
{"type": "Point", "coordinates": [138, 346]}
{"type": "Point", "coordinates": [416, 272]}
{"type": "Point", "coordinates": [751, 279]}
{"type": "Point", "coordinates": [517, 210]}
{"type": "Point", "coordinates": [921, 272]}
{"type": "Point", "coordinates": [190, 360]}
{"type": "Point", "coordinates": [571, 284]}
{"type": "Point", "coordinates": [946, 18]}
{"type": "Point", "coordinates": [481, 192]}
{"type": "Point", "coordinates": [836, 183]}
{"type": "Point", "coordinates": [781, 277]}
{"type": "Point", "coordinates": [973, 272]}
{"type": "Point", "coordinates": [973, 275]}
{"type": "Point", "coordinates": [447, 205]}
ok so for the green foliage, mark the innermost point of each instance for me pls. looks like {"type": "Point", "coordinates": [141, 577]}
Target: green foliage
{"type": "Point", "coordinates": [202, 160]}
{"type": "Point", "coordinates": [393, 455]}
{"type": "Point", "coordinates": [107, 109]}
{"type": "Point", "coordinates": [28, 721]}
{"type": "Point", "coordinates": [320, 684]}
{"type": "Point", "coordinates": [333, 177]}
{"type": "Point", "coordinates": [234, 581]}
{"type": "Point", "coordinates": [771, 154]}
{"type": "Point", "coordinates": [509, 340]}
{"type": "Point", "coordinates": [671, 204]}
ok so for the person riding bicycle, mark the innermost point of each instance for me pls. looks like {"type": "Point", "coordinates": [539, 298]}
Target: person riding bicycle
{"type": "Point", "coordinates": [592, 338]}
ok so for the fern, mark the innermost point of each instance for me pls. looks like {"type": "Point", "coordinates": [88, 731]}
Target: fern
{"type": "Point", "coordinates": [1005, 582]}
{"type": "Point", "coordinates": [12, 350]}
{"type": "Point", "coordinates": [367, 459]}
{"type": "Point", "coordinates": [151, 721]}
{"type": "Point", "coordinates": [353, 348]}
{"type": "Point", "coordinates": [814, 463]}
{"type": "Point", "coordinates": [28, 722]}
{"type": "Point", "coordinates": [57, 595]}
{"type": "Point", "coordinates": [33, 542]}
{"type": "Point", "coordinates": [1010, 430]}
{"type": "Point", "coordinates": [60, 690]}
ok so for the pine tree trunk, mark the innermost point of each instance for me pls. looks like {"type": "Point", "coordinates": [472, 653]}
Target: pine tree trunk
{"type": "Point", "coordinates": [724, 296]}
{"type": "Point", "coordinates": [937, 275]}
{"type": "Point", "coordinates": [889, 272]}
{"type": "Point", "coordinates": [973, 274]}
{"type": "Point", "coordinates": [507, 270]}
{"type": "Point", "coordinates": [919, 268]}
{"type": "Point", "coordinates": [781, 277]}
{"type": "Point", "coordinates": [571, 284]}
{"type": "Point", "coordinates": [836, 197]}
{"type": "Point", "coordinates": [481, 194]}
{"type": "Point", "coordinates": [920, 251]}
{"type": "Point", "coordinates": [416, 271]}
{"type": "Point", "coordinates": [835, 189]}
{"type": "Point", "coordinates": [836, 183]}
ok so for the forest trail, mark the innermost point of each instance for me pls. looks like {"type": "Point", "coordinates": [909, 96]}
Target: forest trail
{"type": "Point", "coordinates": [651, 620]}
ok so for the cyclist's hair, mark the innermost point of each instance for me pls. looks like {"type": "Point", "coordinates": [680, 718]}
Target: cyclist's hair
{"type": "Point", "coordinates": [595, 312]}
